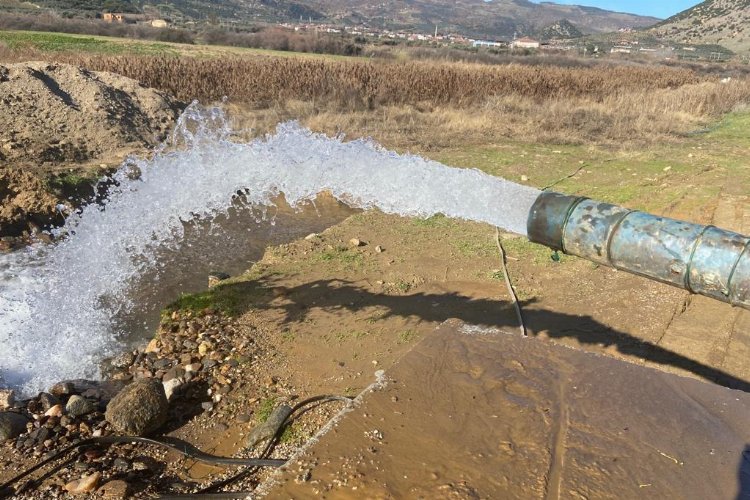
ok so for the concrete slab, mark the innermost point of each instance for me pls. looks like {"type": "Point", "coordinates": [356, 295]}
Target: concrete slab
{"type": "Point", "coordinates": [476, 413]}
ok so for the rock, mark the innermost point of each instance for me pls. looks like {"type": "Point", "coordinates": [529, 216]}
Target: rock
{"type": "Point", "coordinates": [379, 249]}
{"type": "Point", "coordinates": [194, 367]}
{"type": "Point", "coordinates": [175, 372]}
{"type": "Point", "coordinates": [104, 391]}
{"type": "Point", "coordinates": [153, 346]}
{"type": "Point", "coordinates": [121, 464]}
{"type": "Point", "coordinates": [7, 398]}
{"type": "Point", "coordinates": [12, 425]}
{"type": "Point", "coordinates": [86, 484]}
{"type": "Point", "coordinates": [172, 385]}
{"type": "Point", "coordinates": [114, 489]}
{"type": "Point", "coordinates": [356, 242]}
{"type": "Point", "coordinates": [47, 400]}
{"type": "Point", "coordinates": [139, 409]}
{"type": "Point", "coordinates": [55, 411]}
{"type": "Point", "coordinates": [120, 362]}
{"type": "Point", "coordinates": [76, 386]}
{"type": "Point", "coordinates": [216, 277]}
{"type": "Point", "coordinates": [78, 406]}
{"type": "Point", "coordinates": [524, 178]}
{"type": "Point", "coordinates": [204, 348]}
{"type": "Point", "coordinates": [162, 364]}
{"type": "Point", "coordinates": [311, 236]}
{"type": "Point", "coordinates": [61, 389]}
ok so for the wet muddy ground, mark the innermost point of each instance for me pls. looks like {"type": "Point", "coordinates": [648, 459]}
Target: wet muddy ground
{"type": "Point", "coordinates": [483, 413]}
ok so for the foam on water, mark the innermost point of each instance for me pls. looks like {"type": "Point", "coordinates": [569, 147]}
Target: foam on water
{"type": "Point", "coordinates": [57, 302]}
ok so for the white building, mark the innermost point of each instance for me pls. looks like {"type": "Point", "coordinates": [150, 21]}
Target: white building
{"type": "Point", "coordinates": [525, 43]}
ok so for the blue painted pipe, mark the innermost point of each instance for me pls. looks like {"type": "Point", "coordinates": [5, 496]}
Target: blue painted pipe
{"type": "Point", "coordinates": [701, 259]}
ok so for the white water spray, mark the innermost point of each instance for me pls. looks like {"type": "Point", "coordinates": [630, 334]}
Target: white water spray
{"type": "Point", "coordinates": [57, 302]}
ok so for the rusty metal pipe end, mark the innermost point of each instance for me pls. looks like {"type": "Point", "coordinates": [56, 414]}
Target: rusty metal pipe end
{"type": "Point", "coordinates": [701, 259]}
{"type": "Point", "coordinates": [548, 216]}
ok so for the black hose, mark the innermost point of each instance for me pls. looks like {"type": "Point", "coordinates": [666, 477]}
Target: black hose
{"type": "Point", "coordinates": [177, 445]}
{"type": "Point", "coordinates": [190, 451]}
{"type": "Point", "coordinates": [297, 411]}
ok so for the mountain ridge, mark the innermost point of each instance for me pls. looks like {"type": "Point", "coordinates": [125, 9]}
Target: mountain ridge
{"type": "Point", "coordinates": [722, 22]}
{"type": "Point", "coordinates": [474, 18]}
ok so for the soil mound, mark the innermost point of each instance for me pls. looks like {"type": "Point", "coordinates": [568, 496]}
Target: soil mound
{"type": "Point", "coordinates": [58, 114]}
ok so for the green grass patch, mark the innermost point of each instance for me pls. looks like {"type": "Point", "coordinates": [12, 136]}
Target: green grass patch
{"type": "Point", "coordinates": [265, 409]}
{"type": "Point", "coordinates": [343, 256]}
{"type": "Point", "coordinates": [406, 336]}
{"type": "Point", "coordinates": [437, 220]}
{"type": "Point", "coordinates": [64, 42]}
{"type": "Point", "coordinates": [232, 297]}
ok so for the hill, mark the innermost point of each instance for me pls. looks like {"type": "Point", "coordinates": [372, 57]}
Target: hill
{"type": "Point", "coordinates": [723, 22]}
{"type": "Point", "coordinates": [476, 18]}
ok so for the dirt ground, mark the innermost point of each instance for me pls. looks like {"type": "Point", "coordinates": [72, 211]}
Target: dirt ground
{"type": "Point", "coordinates": [61, 127]}
{"type": "Point", "coordinates": [325, 314]}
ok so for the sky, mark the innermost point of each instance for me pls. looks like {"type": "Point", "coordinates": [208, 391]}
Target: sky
{"type": "Point", "coordinates": [656, 8]}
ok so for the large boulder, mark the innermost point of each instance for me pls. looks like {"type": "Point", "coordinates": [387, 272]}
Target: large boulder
{"type": "Point", "coordinates": [12, 425]}
{"type": "Point", "coordinates": [139, 409]}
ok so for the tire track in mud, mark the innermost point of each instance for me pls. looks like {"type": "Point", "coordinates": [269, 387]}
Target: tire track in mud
{"type": "Point", "coordinates": [559, 445]}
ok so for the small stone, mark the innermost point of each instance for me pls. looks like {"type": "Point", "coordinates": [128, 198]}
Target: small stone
{"type": "Point", "coordinates": [194, 367]}
{"type": "Point", "coordinates": [162, 364]}
{"type": "Point", "coordinates": [7, 398]}
{"type": "Point", "coordinates": [379, 249]}
{"type": "Point", "coordinates": [139, 409]}
{"type": "Point", "coordinates": [311, 236]}
{"type": "Point", "coordinates": [114, 489]}
{"type": "Point", "coordinates": [524, 178]}
{"type": "Point", "coordinates": [62, 389]}
{"type": "Point", "coordinates": [244, 418]}
{"type": "Point", "coordinates": [204, 348]}
{"type": "Point", "coordinates": [667, 169]}
{"type": "Point", "coordinates": [40, 435]}
{"type": "Point", "coordinates": [48, 400]}
{"type": "Point", "coordinates": [207, 406]}
{"type": "Point", "coordinates": [55, 411]}
{"type": "Point", "coordinates": [356, 242]}
{"type": "Point", "coordinates": [86, 484]}
{"type": "Point", "coordinates": [175, 372]}
{"type": "Point", "coordinates": [123, 360]}
{"type": "Point", "coordinates": [153, 346]}
{"type": "Point", "coordinates": [171, 385]}
{"type": "Point", "coordinates": [216, 277]}
{"type": "Point", "coordinates": [78, 406]}
{"type": "Point", "coordinates": [104, 391]}
{"type": "Point", "coordinates": [12, 425]}
{"type": "Point", "coordinates": [121, 463]}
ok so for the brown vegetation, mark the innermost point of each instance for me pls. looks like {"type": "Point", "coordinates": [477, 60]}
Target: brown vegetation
{"type": "Point", "coordinates": [456, 101]}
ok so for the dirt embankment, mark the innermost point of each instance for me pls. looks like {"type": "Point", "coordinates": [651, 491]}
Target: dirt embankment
{"type": "Point", "coordinates": [56, 122]}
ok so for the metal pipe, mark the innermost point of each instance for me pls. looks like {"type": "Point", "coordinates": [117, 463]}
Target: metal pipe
{"type": "Point", "coordinates": [701, 259]}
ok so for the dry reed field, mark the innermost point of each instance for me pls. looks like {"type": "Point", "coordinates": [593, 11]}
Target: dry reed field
{"type": "Point", "coordinates": [601, 103]}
